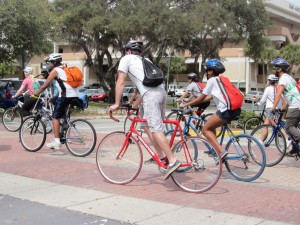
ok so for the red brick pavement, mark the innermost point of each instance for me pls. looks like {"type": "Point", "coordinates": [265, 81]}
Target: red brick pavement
{"type": "Point", "coordinates": [274, 196]}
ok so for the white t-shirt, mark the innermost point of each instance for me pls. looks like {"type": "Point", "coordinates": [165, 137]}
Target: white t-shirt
{"type": "Point", "coordinates": [290, 93]}
{"type": "Point", "coordinates": [194, 89]}
{"type": "Point", "coordinates": [212, 88]}
{"type": "Point", "coordinates": [70, 91]}
{"type": "Point", "coordinates": [268, 98]}
{"type": "Point", "coordinates": [133, 66]}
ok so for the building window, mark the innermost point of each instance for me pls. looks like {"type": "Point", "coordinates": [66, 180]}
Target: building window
{"type": "Point", "coordinates": [60, 50]}
{"type": "Point", "coordinates": [262, 69]}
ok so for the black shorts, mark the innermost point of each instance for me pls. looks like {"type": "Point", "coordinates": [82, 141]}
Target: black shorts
{"type": "Point", "coordinates": [61, 106]}
{"type": "Point", "coordinates": [202, 105]}
{"type": "Point", "coordinates": [28, 105]}
{"type": "Point", "coordinates": [229, 115]}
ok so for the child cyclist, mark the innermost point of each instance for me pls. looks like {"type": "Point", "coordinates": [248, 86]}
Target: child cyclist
{"type": "Point", "coordinates": [212, 90]}
{"type": "Point", "coordinates": [195, 90]}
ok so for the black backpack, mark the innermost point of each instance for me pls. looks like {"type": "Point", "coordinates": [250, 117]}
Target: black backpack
{"type": "Point", "coordinates": [153, 75]}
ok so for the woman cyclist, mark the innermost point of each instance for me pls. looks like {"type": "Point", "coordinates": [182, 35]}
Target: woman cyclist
{"type": "Point", "coordinates": [212, 90]}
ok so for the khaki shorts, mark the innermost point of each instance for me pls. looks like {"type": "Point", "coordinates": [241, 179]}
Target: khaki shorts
{"type": "Point", "coordinates": [154, 104]}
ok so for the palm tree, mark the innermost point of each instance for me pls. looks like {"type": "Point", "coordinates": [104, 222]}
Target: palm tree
{"type": "Point", "coordinates": [291, 53]}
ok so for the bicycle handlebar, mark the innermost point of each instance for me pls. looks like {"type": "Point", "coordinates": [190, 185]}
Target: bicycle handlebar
{"type": "Point", "coordinates": [127, 107]}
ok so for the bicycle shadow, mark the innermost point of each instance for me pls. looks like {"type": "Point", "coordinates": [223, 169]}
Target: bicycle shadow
{"type": "Point", "coordinates": [5, 147]}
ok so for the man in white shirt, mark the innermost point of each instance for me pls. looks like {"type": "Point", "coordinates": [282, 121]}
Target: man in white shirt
{"type": "Point", "coordinates": [287, 88]}
{"type": "Point", "coordinates": [154, 101]}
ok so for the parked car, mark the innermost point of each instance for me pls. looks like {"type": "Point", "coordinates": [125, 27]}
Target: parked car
{"type": "Point", "coordinates": [179, 91]}
{"type": "Point", "coordinates": [100, 96]}
{"type": "Point", "coordinates": [127, 92]}
{"type": "Point", "coordinates": [253, 96]}
{"type": "Point", "coordinates": [90, 92]}
{"type": "Point", "coordinates": [171, 89]}
{"type": "Point", "coordinates": [8, 88]}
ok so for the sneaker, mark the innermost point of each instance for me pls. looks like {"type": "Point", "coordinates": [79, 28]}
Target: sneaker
{"type": "Point", "coordinates": [292, 153]}
{"type": "Point", "coordinates": [288, 143]}
{"type": "Point", "coordinates": [223, 157]}
{"type": "Point", "coordinates": [171, 169]}
{"type": "Point", "coordinates": [54, 145]}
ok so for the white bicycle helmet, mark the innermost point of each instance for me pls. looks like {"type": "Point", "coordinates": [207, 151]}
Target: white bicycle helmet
{"type": "Point", "coordinates": [56, 57]}
{"type": "Point", "coordinates": [28, 70]}
{"type": "Point", "coordinates": [272, 78]}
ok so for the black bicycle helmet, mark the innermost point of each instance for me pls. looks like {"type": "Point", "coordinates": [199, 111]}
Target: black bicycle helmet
{"type": "Point", "coordinates": [134, 46]}
{"type": "Point", "coordinates": [281, 63]}
{"type": "Point", "coordinates": [191, 75]}
{"type": "Point", "coordinates": [215, 65]}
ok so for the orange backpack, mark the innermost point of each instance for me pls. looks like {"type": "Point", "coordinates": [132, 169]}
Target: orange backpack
{"type": "Point", "coordinates": [232, 95]}
{"type": "Point", "coordinates": [74, 76]}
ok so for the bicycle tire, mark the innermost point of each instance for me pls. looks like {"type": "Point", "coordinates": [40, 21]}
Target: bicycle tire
{"type": "Point", "coordinates": [198, 173]}
{"type": "Point", "coordinates": [32, 134]}
{"type": "Point", "coordinates": [246, 159]}
{"type": "Point", "coordinates": [12, 119]}
{"type": "Point", "coordinates": [122, 170]}
{"type": "Point", "coordinates": [251, 124]}
{"type": "Point", "coordinates": [48, 123]}
{"type": "Point", "coordinates": [81, 138]}
{"type": "Point", "coordinates": [174, 116]}
{"type": "Point", "coordinates": [275, 151]}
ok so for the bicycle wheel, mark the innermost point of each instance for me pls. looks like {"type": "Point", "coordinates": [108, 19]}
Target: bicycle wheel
{"type": "Point", "coordinates": [120, 169]}
{"type": "Point", "coordinates": [12, 119]}
{"type": "Point", "coordinates": [32, 134]}
{"type": "Point", "coordinates": [81, 138]}
{"type": "Point", "coordinates": [246, 159]}
{"type": "Point", "coordinates": [174, 116]}
{"type": "Point", "coordinates": [200, 169]}
{"type": "Point", "coordinates": [251, 124]}
{"type": "Point", "coordinates": [273, 142]}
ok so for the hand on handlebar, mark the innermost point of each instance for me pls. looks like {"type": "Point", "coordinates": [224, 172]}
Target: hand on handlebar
{"type": "Point", "coordinates": [114, 107]}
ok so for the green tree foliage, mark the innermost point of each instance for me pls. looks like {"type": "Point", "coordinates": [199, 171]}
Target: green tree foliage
{"type": "Point", "coordinates": [25, 27]}
{"type": "Point", "coordinates": [291, 53]}
{"type": "Point", "coordinates": [101, 28]}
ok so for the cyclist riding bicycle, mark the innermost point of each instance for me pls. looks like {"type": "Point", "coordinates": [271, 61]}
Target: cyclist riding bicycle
{"type": "Point", "coordinates": [287, 88]}
{"type": "Point", "coordinates": [66, 95]}
{"type": "Point", "coordinates": [268, 100]}
{"type": "Point", "coordinates": [195, 90]}
{"type": "Point", "coordinates": [212, 90]}
{"type": "Point", "coordinates": [154, 101]}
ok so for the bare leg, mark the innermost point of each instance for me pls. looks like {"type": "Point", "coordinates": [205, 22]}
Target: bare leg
{"type": "Point", "coordinates": [209, 130]}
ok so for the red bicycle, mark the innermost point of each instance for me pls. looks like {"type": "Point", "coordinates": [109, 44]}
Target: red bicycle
{"type": "Point", "coordinates": [119, 158]}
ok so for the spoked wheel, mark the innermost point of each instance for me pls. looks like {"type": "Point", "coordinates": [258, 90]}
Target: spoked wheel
{"type": "Point", "coordinates": [274, 143]}
{"type": "Point", "coordinates": [246, 159]}
{"type": "Point", "coordinates": [81, 138]}
{"type": "Point", "coordinates": [12, 119]}
{"type": "Point", "coordinates": [251, 124]}
{"type": "Point", "coordinates": [116, 166]}
{"type": "Point", "coordinates": [174, 116]}
{"type": "Point", "coordinates": [200, 170]}
{"type": "Point", "coordinates": [48, 124]}
{"type": "Point", "coordinates": [32, 134]}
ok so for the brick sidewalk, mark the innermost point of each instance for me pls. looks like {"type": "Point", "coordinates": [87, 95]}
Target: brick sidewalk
{"type": "Point", "coordinates": [274, 196]}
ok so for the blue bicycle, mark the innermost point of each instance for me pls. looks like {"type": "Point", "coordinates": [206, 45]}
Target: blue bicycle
{"type": "Point", "coordinates": [274, 140]}
{"type": "Point", "coordinates": [246, 159]}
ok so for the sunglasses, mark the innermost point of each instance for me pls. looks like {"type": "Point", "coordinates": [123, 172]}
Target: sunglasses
{"type": "Point", "coordinates": [276, 68]}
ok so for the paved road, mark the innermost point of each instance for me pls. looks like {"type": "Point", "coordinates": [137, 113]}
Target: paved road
{"type": "Point", "coordinates": [74, 185]}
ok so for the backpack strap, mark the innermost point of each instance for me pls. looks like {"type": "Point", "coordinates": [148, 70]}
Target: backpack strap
{"type": "Point", "coordinates": [219, 82]}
